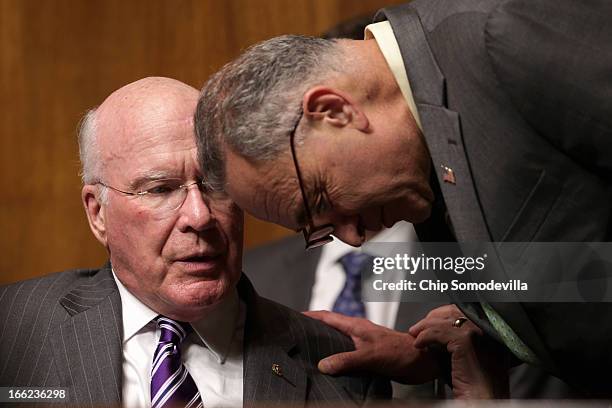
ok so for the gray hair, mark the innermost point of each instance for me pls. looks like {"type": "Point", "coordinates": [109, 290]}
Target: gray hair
{"type": "Point", "coordinates": [253, 103]}
{"type": "Point", "coordinates": [89, 152]}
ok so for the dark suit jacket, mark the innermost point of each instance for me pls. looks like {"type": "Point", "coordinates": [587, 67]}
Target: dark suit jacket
{"type": "Point", "coordinates": [515, 97]}
{"type": "Point", "coordinates": [285, 272]}
{"type": "Point", "coordinates": [65, 330]}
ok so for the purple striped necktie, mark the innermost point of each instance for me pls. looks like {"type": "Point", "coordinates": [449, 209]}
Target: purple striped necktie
{"type": "Point", "coordinates": [171, 384]}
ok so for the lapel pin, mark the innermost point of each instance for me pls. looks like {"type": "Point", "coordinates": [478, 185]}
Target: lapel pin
{"type": "Point", "coordinates": [449, 175]}
{"type": "Point", "coordinates": [276, 369]}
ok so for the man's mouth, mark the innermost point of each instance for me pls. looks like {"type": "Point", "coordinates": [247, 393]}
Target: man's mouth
{"type": "Point", "coordinates": [198, 258]}
{"type": "Point", "coordinates": [200, 262]}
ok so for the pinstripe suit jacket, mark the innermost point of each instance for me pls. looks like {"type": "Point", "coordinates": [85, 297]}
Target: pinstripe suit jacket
{"type": "Point", "coordinates": [65, 330]}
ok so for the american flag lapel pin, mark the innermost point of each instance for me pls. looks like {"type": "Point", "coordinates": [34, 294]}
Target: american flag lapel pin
{"type": "Point", "coordinates": [449, 175]}
{"type": "Point", "coordinates": [277, 370]}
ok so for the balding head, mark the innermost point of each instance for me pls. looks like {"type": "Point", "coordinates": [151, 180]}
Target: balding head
{"type": "Point", "coordinates": [115, 126]}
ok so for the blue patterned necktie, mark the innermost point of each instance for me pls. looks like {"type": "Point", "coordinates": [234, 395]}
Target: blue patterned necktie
{"type": "Point", "coordinates": [349, 300]}
{"type": "Point", "coordinates": [171, 384]}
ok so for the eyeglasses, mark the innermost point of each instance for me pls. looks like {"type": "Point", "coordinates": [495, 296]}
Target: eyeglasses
{"type": "Point", "coordinates": [314, 235]}
{"type": "Point", "coordinates": [163, 196]}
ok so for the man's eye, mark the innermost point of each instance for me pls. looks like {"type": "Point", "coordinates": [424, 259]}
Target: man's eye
{"type": "Point", "coordinates": [160, 190]}
{"type": "Point", "coordinates": [321, 205]}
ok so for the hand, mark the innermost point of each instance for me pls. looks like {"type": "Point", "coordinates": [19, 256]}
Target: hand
{"type": "Point", "coordinates": [477, 365]}
{"type": "Point", "coordinates": [377, 350]}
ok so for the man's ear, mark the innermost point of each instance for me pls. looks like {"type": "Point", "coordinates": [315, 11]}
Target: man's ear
{"type": "Point", "coordinates": [334, 107]}
{"type": "Point", "coordinates": [96, 212]}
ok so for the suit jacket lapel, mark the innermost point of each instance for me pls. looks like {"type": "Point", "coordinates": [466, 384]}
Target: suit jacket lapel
{"type": "Point", "coordinates": [441, 126]}
{"type": "Point", "coordinates": [87, 347]}
{"type": "Point", "coordinates": [270, 372]}
{"type": "Point", "coordinates": [442, 133]}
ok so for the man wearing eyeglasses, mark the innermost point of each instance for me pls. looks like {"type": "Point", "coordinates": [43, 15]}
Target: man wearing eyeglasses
{"type": "Point", "coordinates": [169, 321]}
{"type": "Point", "coordinates": [477, 121]}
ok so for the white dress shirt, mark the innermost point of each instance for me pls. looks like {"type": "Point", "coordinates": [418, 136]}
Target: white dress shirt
{"type": "Point", "coordinates": [330, 275]}
{"type": "Point", "coordinates": [212, 353]}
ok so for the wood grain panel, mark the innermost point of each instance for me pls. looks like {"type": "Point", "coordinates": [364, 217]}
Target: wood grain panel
{"type": "Point", "coordinates": [60, 57]}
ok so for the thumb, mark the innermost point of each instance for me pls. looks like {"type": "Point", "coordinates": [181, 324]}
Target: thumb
{"type": "Point", "coordinates": [342, 363]}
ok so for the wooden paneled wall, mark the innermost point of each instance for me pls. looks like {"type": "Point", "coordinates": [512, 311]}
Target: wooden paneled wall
{"type": "Point", "coordinates": [60, 57]}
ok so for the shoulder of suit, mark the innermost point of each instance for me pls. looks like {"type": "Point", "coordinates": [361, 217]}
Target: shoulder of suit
{"type": "Point", "coordinates": [42, 290]}
{"type": "Point", "coordinates": [58, 279]}
{"type": "Point", "coordinates": [310, 333]}
{"type": "Point", "coordinates": [433, 12]}
{"type": "Point", "coordinates": [307, 341]}
{"type": "Point", "coordinates": [316, 340]}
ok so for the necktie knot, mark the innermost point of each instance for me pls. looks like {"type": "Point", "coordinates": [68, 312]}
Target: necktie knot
{"type": "Point", "coordinates": [172, 331]}
{"type": "Point", "coordinates": [354, 263]}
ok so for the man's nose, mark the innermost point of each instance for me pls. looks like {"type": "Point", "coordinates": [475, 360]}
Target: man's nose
{"type": "Point", "coordinates": [195, 213]}
{"type": "Point", "coordinates": [349, 230]}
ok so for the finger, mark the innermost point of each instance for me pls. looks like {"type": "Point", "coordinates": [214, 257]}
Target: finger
{"type": "Point", "coordinates": [441, 312]}
{"type": "Point", "coordinates": [342, 363]}
{"type": "Point", "coordinates": [336, 320]}
{"type": "Point", "coordinates": [417, 328]}
{"type": "Point", "coordinates": [429, 337]}
{"type": "Point", "coordinates": [440, 315]}
{"type": "Point", "coordinates": [429, 321]}
{"type": "Point", "coordinates": [439, 333]}
{"type": "Point", "coordinates": [469, 325]}
{"type": "Point", "coordinates": [446, 310]}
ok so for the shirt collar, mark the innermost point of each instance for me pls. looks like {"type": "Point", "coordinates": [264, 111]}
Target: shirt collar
{"type": "Point", "coordinates": [215, 330]}
{"type": "Point", "coordinates": [382, 33]}
{"type": "Point", "coordinates": [135, 314]}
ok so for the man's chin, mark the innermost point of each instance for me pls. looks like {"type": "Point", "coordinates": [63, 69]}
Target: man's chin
{"type": "Point", "coordinates": [420, 215]}
{"type": "Point", "coordinates": [191, 312]}
{"type": "Point", "coordinates": [411, 212]}
{"type": "Point", "coordinates": [198, 298]}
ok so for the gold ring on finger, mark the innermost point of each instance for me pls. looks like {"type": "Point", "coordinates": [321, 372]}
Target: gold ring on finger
{"type": "Point", "coordinates": [459, 322]}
